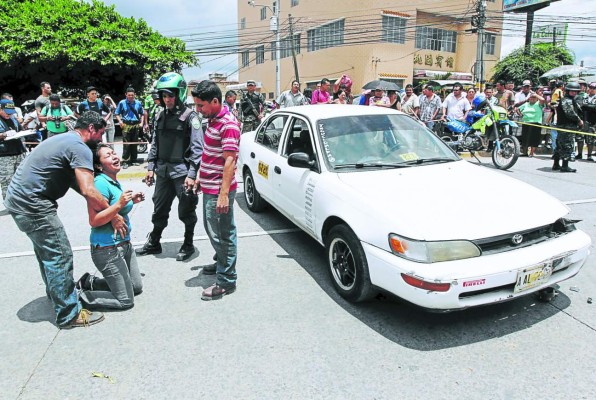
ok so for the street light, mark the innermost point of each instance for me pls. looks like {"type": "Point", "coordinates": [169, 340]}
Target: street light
{"type": "Point", "coordinates": [274, 26]}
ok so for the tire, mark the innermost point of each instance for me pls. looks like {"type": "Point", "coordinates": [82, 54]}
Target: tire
{"type": "Point", "coordinates": [253, 199]}
{"type": "Point", "coordinates": [508, 154]}
{"type": "Point", "coordinates": [348, 267]}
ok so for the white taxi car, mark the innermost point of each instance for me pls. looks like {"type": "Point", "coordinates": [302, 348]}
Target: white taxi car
{"type": "Point", "coordinates": [396, 209]}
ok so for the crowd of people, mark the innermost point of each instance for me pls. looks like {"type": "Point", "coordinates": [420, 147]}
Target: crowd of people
{"type": "Point", "coordinates": [187, 156]}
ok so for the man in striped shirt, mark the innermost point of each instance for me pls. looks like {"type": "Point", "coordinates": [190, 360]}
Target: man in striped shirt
{"type": "Point", "coordinates": [217, 180]}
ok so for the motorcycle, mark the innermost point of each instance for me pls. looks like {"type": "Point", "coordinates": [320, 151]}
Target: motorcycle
{"type": "Point", "coordinates": [488, 124]}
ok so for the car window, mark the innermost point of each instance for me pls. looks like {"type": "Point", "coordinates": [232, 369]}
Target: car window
{"type": "Point", "coordinates": [269, 133]}
{"type": "Point", "coordinates": [299, 138]}
{"type": "Point", "coordinates": [378, 139]}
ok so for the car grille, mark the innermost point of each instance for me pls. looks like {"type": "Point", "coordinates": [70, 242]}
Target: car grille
{"type": "Point", "coordinates": [516, 240]}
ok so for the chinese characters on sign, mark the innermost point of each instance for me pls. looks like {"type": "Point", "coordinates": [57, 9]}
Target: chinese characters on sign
{"type": "Point", "coordinates": [438, 60]}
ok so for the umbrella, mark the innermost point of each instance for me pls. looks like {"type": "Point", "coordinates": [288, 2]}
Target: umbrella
{"type": "Point", "coordinates": [565, 70]}
{"type": "Point", "coordinates": [380, 84]}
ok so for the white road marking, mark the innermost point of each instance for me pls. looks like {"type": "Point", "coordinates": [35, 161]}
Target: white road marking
{"type": "Point", "coordinates": [172, 240]}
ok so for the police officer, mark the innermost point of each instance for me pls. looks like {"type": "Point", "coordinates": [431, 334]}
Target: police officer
{"type": "Point", "coordinates": [175, 155]}
{"type": "Point", "coordinates": [580, 99]}
{"type": "Point", "coordinates": [568, 117]}
{"type": "Point", "coordinates": [589, 109]}
{"type": "Point", "coordinates": [252, 106]}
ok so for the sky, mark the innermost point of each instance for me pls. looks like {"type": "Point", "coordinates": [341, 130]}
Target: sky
{"type": "Point", "coordinates": [183, 17]}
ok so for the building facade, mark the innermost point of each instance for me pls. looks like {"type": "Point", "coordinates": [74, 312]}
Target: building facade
{"type": "Point", "coordinates": [395, 40]}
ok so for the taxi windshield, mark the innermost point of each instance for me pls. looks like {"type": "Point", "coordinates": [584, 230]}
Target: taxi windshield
{"type": "Point", "coordinates": [379, 140]}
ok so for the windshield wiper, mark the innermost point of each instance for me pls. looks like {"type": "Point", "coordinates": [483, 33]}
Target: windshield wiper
{"type": "Point", "coordinates": [371, 165]}
{"type": "Point", "coordinates": [429, 160]}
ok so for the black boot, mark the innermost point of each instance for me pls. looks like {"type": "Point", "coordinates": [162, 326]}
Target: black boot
{"type": "Point", "coordinates": [556, 165]}
{"type": "Point", "coordinates": [566, 168]}
{"type": "Point", "coordinates": [187, 248]}
{"type": "Point", "coordinates": [151, 246]}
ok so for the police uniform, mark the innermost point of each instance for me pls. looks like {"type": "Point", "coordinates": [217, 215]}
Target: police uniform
{"type": "Point", "coordinates": [175, 154]}
{"type": "Point", "coordinates": [589, 109]}
{"type": "Point", "coordinates": [568, 117]}
{"type": "Point", "coordinates": [251, 105]}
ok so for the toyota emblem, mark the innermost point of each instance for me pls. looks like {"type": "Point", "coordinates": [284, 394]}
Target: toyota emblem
{"type": "Point", "coordinates": [517, 239]}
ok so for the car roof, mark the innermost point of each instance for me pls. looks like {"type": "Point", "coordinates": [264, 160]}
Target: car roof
{"type": "Point", "coordinates": [324, 111]}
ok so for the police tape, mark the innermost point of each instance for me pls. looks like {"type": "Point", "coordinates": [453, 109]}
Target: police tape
{"type": "Point", "coordinates": [555, 128]}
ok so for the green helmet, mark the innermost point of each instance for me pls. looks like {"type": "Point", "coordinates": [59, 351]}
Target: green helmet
{"type": "Point", "coordinates": [173, 83]}
{"type": "Point", "coordinates": [574, 86]}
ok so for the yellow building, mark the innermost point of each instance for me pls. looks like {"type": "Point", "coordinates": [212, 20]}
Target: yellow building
{"type": "Point", "coordinates": [402, 41]}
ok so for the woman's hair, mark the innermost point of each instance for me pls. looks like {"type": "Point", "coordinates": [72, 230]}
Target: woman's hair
{"type": "Point", "coordinates": [96, 163]}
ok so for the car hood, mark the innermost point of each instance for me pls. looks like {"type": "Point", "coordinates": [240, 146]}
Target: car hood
{"type": "Point", "coordinates": [456, 200]}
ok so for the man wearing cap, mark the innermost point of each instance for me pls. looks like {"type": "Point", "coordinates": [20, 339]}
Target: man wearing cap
{"type": "Point", "coordinates": [12, 151]}
{"type": "Point", "coordinates": [19, 114]}
{"type": "Point", "coordinates": [252, 106]}
{"type": "Point", "coordinates": [523, 96]}
{"type": "Point", "coordinates": [589, 110]}
{"type": "Point", "coordinates": [93, 104]}
{"type": "Point", "coordinates": [54, 116]}
{"type": "Point", "coordinates": [130, 115]}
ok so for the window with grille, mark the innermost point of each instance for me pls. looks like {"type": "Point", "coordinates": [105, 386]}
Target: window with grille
{"type": "Point", "coordinates": [245, 58]}
{"type": "Point", "coordinates": [260, 54]}
{"type": "Point", "coordinates": [263, 13]}
{"type": "Point", "coordinates": [273, 48]}
{"type": "Point", "coordinates": [325, 36]}
{"type": "Point", "coordinates": [286, 46]}
{"type": "Point", "coordinates": [490, 42]}
{"type": "Point", "coordinates": [243, 23]}
{"type": "Point", "coordinates": [435, 39]}
{"type": "Point", "coordinates": [393, 29]}
{"type": "Point", "coordinates": [294, 3]}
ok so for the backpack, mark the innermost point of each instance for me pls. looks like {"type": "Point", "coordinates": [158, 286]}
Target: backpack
{"type": "Point", "coordinates": [86, 105]}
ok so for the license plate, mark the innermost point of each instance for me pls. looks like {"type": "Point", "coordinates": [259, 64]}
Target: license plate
{"type": "Point", "coordinates": [263, 170]}
{"type": "Point", "coordinates": [531, 277]}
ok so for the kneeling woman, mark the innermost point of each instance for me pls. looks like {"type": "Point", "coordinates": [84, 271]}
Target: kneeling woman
{"type": "Point", "coordinates": [112, 254]}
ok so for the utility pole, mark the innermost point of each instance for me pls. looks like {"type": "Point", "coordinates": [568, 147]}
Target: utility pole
{"type": "Point", "coordinates": [529, 27]}
{"type": "Point", "coordinates": [276, 7]}
{"type": "Point", "coordinates": [293, 48]}
{"type": "Point", "coordinates": [554, 36]}
{"type": "Point", "coordinates": [478, 21]}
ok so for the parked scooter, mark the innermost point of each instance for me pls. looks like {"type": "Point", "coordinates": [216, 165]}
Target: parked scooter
{"type": "Point", "coordinates": [488, 124]}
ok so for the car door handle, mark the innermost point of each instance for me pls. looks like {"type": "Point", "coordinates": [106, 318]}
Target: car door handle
{"type": "Point", "coordinates": [252, 154]}
{"type": "Point", "coordinates": [277, 170]}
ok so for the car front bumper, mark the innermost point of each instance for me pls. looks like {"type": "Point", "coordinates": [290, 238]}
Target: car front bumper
{"type": "Point", "coordinates": [480, 280]}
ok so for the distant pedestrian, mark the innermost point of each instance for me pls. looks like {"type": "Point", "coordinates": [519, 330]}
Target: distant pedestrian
{"type": "Point", "coordinates": [130, 115]}
{"type": "Point", "coordinates": [93, 104]}
{"type": "Point", "coordinates": [410, 104]}
{"type": "Point", "coordinates": [378, 98]}
{"type": "Point", "coordinates": [217, 181]}
{"type": "Point", "coordinates": [342, 98]}
{"type": "Point", "coordinates": [531, 135]}
{"type": "Point", "coordinates": [42, 101]}
{"type": "Point", "coordinates": [430, 105]}
{"type": "Point", "coordinates": [322, 95]}
{"type": "Point", "coordinates": [108, 137]}
{"type": "Point", "coordinates": [231, 102]}
{"type": "Point", "coordinates": [44, 177]}
{"type": "Point", "coordinates": [55, 115]}
{"type": "Point", "coordinates": [292, 97]}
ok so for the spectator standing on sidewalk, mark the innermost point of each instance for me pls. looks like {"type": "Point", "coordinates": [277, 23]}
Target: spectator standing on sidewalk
{"type": "Point", "coordinates": [44, 177]}
{"type": "Point", "coordinates": [322, 95]}
{"type": "Point", "coordinates": [231, 102]}
{"type": "Point", "coordinates": [505, 97]}
{"type": "Point", "coordinates": [108, 137]}
{"type": "Point", "coordinates": [130, 115]}
{"type": "Point", "coordinates": [410, 104]}
{"type": "Point", "coordinates": [12, 152]}
{"type": "Point", "coordinates": [579, 100]}
{"type": "Point", "coordinates": [292, 97]}
{"type": "Point", "coordinates": [531, 135]}
{"type": "Point", "coordinates": [217, 181]}
{"type": "Point", "coordinates": [456, 105]}
{"type": "Point", "coordinates": [93, 104]}
{"type": "Point", "coordinates": [43, 101]}
{"type": "Point", "coordinates": [430, 105]}
{"type": "Point", "coordinates": [589, 110]}
{"type": "Point", "coordinates": [55, 115]}
{"type": "Point", "coordinates": [174, 158]}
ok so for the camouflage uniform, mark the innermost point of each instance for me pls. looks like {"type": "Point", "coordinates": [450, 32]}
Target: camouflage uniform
{"type": "Point", "coordinates": [568, 117]}
{"type": "Point", "coordinates": [580, 99]}
{"type": "Point", "coordinates": [251, 105]}
{"type": "Point", "coordinates": [12, 152]}
{"type": "Point", "coordinates": [589, 109]}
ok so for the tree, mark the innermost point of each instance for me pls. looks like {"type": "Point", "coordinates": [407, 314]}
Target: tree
{"type": "Point", "coordinates": [529, 63]}
{"type": "Point", "coordinates": [73, 44]}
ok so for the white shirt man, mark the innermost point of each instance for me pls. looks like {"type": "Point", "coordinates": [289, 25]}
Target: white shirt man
{"type": "Point", "coordinates": [410, 103]}
{"type": "Point", "coordinates": [292, 97]}
{"type": "Point", "coordinates": [456, 105]}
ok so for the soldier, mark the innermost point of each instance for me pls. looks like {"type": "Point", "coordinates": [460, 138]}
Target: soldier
{"type": "Point", "coordinates": [252, 106]}
{"type": "Point", "coordinates": [174, 157]}
{"type": "Point", "coordinates": [568, 117]}
{"type": "Point", "coordinates": [580, 99]}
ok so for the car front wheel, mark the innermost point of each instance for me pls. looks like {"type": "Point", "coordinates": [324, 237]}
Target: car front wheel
{"type": "Point", "coordinates": [254, 201]}
{"type": "Point", "coordinates": [347, 265]}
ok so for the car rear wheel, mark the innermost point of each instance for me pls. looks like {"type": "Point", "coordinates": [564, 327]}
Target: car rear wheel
{"type": "Point", "coordinates": [254, 201]}
{"type": "Point", "coordinates": [347, 264]}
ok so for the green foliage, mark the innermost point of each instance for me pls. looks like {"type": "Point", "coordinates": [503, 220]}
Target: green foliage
{"type": "Point", "coordinates": [73, 44]}
{"type": "Point", "coordinates": [530, 63]}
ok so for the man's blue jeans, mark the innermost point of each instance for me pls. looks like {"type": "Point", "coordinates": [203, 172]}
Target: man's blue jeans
{"type": "Point", "coordinates": [222, 233]}
{"type": "Point", "coordinates": [553, 139]}
{"type": "Point", "coordinates": [54, 256]}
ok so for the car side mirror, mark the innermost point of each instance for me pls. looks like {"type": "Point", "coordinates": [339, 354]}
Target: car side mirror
{"type": "Point", "coordinates": [300, 160]}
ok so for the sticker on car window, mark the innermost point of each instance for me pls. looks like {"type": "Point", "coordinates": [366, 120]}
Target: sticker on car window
{"type": "Point", "coordinates": [409, 156]}
{"type": "Point", "coordinates": [330, 157]}
{"type": "Point", "coordinates": [263, 170]}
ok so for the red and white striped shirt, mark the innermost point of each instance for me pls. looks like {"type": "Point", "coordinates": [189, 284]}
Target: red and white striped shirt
{"type": "Point", "coordinates": [222, 134]}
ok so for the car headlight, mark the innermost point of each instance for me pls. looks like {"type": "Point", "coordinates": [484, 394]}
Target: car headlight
{"type": "Point", "coordinates": [430, 252]}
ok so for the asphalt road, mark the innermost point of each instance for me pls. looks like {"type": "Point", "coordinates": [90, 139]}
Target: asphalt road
{"type": "Point", "coordinates": [285, 333]}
